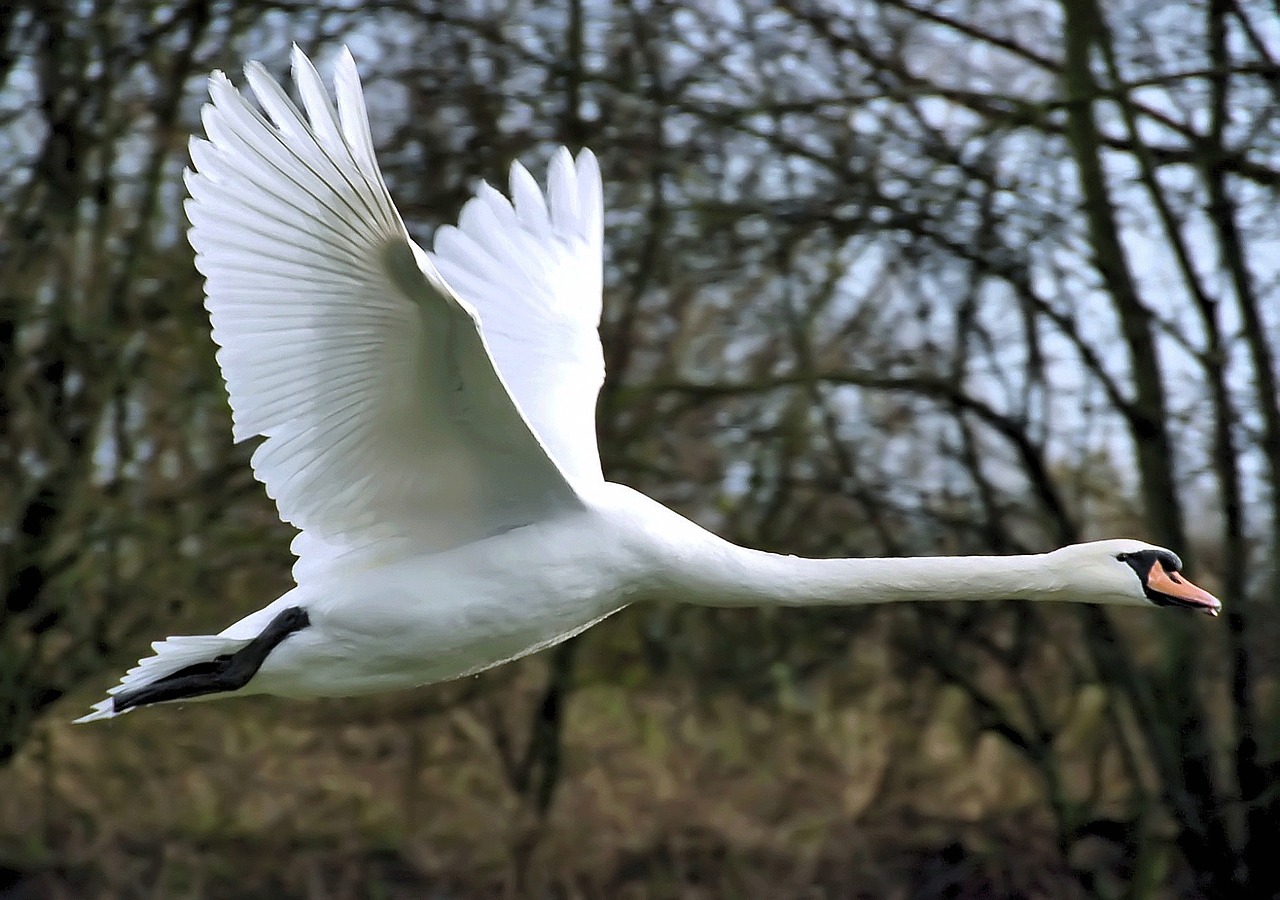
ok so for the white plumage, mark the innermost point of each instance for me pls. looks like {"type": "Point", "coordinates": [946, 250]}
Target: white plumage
{"type": "Point", "coordinates": [428, 425]}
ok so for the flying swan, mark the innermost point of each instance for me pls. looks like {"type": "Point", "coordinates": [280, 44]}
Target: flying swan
{"type": "Point", "coordinates": [429, 425]}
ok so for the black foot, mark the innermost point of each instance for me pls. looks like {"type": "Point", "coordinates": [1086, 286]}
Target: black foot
{"type": "Point", "coordinates": [228, 672]}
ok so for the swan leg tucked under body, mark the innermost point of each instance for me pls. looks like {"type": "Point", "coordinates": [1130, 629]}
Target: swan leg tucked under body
{"type": "Point", "coordinates": [429, 427]}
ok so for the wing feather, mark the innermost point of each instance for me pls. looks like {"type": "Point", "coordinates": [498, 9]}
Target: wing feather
{"type": "Point", "coordinates": [531, 268]}
{"type": "Point", "coordinates": [388, 430]}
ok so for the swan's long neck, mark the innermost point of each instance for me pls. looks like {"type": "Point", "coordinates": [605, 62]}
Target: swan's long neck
{"type": "Point", "coordinates": [686, 563]}
{"type": "Point", "coordinates": [713, 571]}
{"type": "Point", "coordinates": [741, 577]}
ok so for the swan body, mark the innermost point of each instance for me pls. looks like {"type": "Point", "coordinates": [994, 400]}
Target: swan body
{"type": "Point", "coordinates": [429, 427]}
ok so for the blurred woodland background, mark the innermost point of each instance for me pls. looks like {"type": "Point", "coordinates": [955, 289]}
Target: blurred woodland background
{"type": "Point", "coordinates": [895, 277]}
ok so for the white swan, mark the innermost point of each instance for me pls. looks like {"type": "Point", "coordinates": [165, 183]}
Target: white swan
{"type": "Point", "coordinates": [429, 425]}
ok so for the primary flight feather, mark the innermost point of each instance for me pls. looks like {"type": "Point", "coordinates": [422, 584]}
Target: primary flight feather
{"type": "Point", "coordinates": [429, 427]}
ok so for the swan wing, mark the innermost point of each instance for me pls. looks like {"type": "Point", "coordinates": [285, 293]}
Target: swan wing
{"type": "Point", "coordinates": [388, 431]}
{"type": "Point", "coordinates": [531, 268]}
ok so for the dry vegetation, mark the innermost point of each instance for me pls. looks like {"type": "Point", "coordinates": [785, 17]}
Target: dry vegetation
{"type": "Point", "coordinates": [665, 793]}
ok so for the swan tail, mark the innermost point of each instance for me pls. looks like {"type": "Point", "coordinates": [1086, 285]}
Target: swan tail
{"type": "Point", "coordinates": [186, 667]}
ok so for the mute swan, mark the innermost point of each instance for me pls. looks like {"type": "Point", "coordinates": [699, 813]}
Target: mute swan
{"type": "Point", "coordinates": [429, 425]}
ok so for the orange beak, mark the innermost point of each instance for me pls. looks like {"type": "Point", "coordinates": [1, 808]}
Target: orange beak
{"type": "Point", "coordinates": [1180, 591]}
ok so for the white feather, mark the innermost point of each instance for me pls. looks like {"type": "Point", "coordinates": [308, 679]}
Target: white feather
{"type": "Point", "coordinates": [533, 274]}
{"type": "Point", "coordinates": [337, 348]}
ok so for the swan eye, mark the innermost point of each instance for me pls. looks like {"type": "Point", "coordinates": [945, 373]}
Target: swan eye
{"type": "Point", "coordinates": [1121, 557]}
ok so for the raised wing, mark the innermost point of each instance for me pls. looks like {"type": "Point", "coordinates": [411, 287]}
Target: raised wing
{"type": "Point", "coordinates": [532, 271]}
{"type": "Point", "coordinates": [388, 430]}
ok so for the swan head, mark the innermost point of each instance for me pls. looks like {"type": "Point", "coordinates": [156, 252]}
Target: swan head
{"type": "Point", "coordinates": [1132, 573]}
